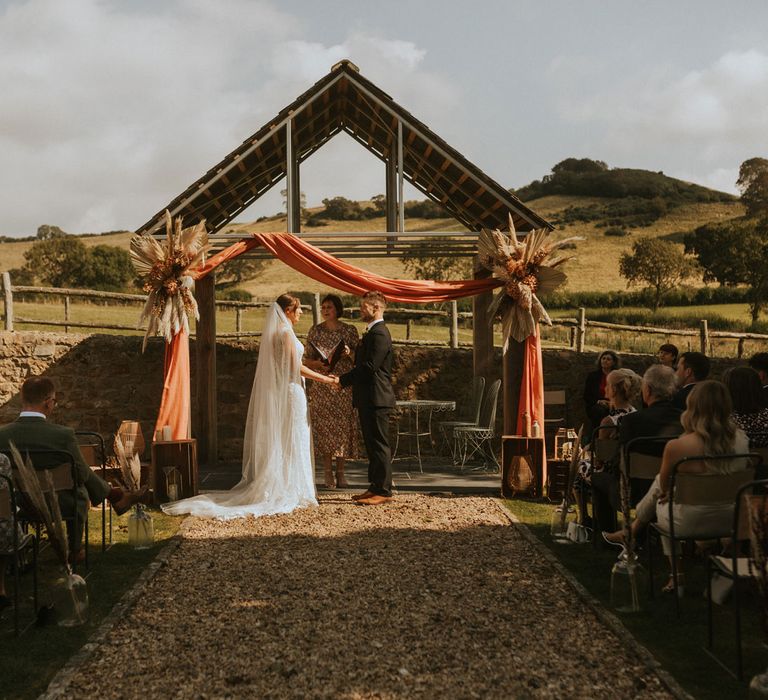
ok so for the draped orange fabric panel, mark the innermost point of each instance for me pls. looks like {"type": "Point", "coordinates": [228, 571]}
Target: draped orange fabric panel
{"type": "Point", "coordinates": [323, 267]}
{"type": "Point", "coordinates": [531, 399]}
{"type": "Point", "coordinates": [175, 403]}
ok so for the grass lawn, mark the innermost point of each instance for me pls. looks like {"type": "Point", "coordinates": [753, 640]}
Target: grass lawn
{"type": "Point", "coordinates": [28, 663]}
{"type": "Point", "coordinates": [675, 642]}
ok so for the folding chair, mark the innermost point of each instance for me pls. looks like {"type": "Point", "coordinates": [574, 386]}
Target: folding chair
{"type": "Point", "coordinates": [92, 448]}
{"type": "Point", "coordinates": [8, 511]}
{"type": "Point", "coordinates": [61, 466]}
{"type": "Point", "coordinates": [695, 489]}
{"type": "Point", "coordinates": [470, 418]}
{"type": "Point", "coordinates": [554, 398]}
{"type": "Point", "coordinates": [473, 439]}
{"type": "Point", "coordinates": [749, 513]}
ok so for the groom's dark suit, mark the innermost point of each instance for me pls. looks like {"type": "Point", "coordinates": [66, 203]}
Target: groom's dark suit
{"type": "Point", "coordinates": [372, 395]}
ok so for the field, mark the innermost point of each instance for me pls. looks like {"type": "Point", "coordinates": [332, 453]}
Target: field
{"type": "Point", "coordinates": [595, 267]}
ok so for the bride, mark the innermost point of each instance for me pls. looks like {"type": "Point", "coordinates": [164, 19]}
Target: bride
{"type": "Point", "coordinates": [278, 469]}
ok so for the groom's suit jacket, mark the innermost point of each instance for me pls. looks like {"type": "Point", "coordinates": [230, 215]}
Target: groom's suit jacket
{"type": "Point", "coordinates": [371, 378]}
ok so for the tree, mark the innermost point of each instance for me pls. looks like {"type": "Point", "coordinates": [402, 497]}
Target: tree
{"type": "Point", "coordinates": [302, 201]}
{"type": "Point", "coordinates": [48, 231]}
{"type": "Point", "coordinates": [735, 252]}
{"type": "Point", "coordinates": [426, 265]}
{"type": "Point", "coordinates": [107, 267]}
{"type": "Point", "coordinates": [753, 184]}
{"type": "Point", "coordinates": [659, 265]}
{"type": "Point", "coordinates": [234, 272]}
{"type": "Point", "coordinates": [57, 261]}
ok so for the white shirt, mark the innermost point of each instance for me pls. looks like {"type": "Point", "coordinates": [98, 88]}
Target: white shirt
{"type": "Point", "coordinates": [373, 323]}
{"type": "Point", "coordinates": [31, 414]}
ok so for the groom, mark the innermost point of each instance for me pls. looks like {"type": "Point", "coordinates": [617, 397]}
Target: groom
{"type": "Point", "coordinates": [372, 395]}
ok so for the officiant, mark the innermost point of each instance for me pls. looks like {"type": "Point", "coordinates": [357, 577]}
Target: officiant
{"type": "Point", "coordinates": [334, 420]}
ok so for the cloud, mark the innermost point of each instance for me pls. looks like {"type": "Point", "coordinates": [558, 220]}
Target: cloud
{"type": "Point", "coordinates": [110, 108]}
{"type": "Point", "coordinates": [711, 117]}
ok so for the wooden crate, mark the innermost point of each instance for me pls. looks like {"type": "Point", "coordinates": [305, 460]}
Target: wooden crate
{"type": "Point", "coordinates": [521, 466]}
{"type": "Point", "coordinates": [557, 479]}
{"type": "Point", "coordinates": [181, 454]}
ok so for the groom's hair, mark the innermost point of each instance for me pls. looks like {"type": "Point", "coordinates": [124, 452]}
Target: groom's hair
{"type": "Point", "coordinates": [287, 301]}
{"type": "Point", "coordinates": [376, 297]}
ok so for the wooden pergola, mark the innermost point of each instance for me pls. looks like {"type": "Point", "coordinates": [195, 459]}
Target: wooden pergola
{"type": "Point", "coordinates": [346, 101]}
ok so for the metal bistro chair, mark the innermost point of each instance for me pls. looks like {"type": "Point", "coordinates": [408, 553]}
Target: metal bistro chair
{"type": "Point", "coordinates": [470, 418]}
{"type": "Point", "coordinates": [605, 451]}
{"type": "Point", "coordinates": [8, 511]}
{"type": "Point", "coordinates": [473, 439]}
{"type": "Point", "coordinates": [94, 452]}
{"type": "Point", "coordinates": [758, 443]}
{"type": "Point", "coordinates": [750, 510]}
{"type": "Point", "coordinates": [699, 489]}
{"type": "Point", "coordinates": [61, 466]}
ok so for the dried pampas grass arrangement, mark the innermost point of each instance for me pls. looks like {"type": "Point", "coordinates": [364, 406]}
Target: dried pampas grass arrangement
{"type": "Point", "coordinates": [129, 462]}
{"type": "Point", "coordinates": [528, 268]}
{"type": "Point", "coordinates": [163, 269]}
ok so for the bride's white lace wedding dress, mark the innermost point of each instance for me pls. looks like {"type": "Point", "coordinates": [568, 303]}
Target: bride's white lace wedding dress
{"type": "Point", "coordinates": [278, 468]}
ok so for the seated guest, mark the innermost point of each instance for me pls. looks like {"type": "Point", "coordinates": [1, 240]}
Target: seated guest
{"type": "Point", "coordinates": [660, 418]}
{"type": "Point", "coordinates": [595, 402]}
{"type": "Point", "coordinates": [749, 412]}
{"type": "Point", "coordinates": [622, 389]}
{"type": "Point", "coordinates": [32, 431]}
{"type": "Point", "coordinates": [6, 536]}
{"type": "Point", "coordinates": [692, 368]}
{"type": "Point", "coordinates": [708, 429]}
{"type": "Point", "coordinates": [667, 355]}
{"type": "Point", "coordinates": [759, 363]}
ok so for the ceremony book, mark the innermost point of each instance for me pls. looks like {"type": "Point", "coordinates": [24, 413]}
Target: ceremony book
{"type": "Point", "coordinates": [331, 357]}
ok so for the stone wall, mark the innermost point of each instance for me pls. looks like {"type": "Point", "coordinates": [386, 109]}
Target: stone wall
{"type": "Point", "coordinates": [103, 379]}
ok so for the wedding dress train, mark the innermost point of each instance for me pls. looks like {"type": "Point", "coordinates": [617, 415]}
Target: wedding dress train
{"type": "Point", "coordinates": [278, 468]}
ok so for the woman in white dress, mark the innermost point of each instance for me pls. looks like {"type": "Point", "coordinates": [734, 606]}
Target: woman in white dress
{"type": "Point", "coordinates": [278, 469]}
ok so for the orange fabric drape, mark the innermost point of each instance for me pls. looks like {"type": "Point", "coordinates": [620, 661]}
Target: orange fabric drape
{"type": "Point", "coordinates": [323, 267]}
{"type": "Point", "coordinates": [175, 403]}
{"type": "Point", "coordinates": [531, 400]}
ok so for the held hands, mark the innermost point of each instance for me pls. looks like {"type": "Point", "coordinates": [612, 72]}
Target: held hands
{"type": "Point", "coordinates": [333, 380]}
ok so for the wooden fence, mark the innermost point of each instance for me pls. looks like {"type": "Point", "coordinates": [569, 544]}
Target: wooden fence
{"type": "Point", "coordinates": [577, 337]}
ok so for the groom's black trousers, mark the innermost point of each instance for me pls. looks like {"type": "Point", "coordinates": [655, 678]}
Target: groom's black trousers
{"type": "Point", "coordinates": [374, 423]}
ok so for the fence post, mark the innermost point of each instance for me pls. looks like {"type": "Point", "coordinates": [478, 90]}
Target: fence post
{"type": "Point", "coordinates": [581, 329]}
{"type": "Point", "coordinates": [8, 301]}
{"type": "Point", "coordinates": [740, 349]}
{"type": "Point", "coordinates": [572, 338]}
{"type": "Point", "coordinates": [704, 336]}
{"type": "Point", "coordinates": [408, 329]}
{"type": "Point", "coordinates": [238, 321]}
{"type": "Point", "coordinates": [66, 313]}
{"type": "Point", "coordinates": [315, 308]}
{"type": "Point", "coordinates": [454, 325]}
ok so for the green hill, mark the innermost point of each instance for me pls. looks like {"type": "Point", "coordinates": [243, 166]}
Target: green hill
{"type": "Point", "coordinates": [611, 208]}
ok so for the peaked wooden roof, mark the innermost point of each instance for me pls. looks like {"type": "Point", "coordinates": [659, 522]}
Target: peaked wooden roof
{"type": "Point", "coordinates": [344, 100]}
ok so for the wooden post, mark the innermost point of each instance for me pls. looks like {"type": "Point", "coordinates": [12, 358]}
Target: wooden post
{"type": "Point", "coordinates": [66, 313]}
{"type": "Point", "coordinates": [704, 336]}
{"type": "Point", "coordinates": [238, 321]}
{"type": "Point", "coordinates": [482, 331]}
{"type": "Point", "coordinates": [740, 350]}
{"type": "Point", "coordinates": [296, 188]}
{"type": "Point", "coordinates": [408, 323]}
{"type": "Point", "coordinates": [315, 309]}
{"type": "Point", "coordinates": [512, 374]}
{"type": "Point", "coordinates": [206, 428]}
{"type": "Point", "coordinates": [454, 333]}
{"type": "Point", "coordinates": [391, 198]}
{"type": "Point", "coordinates": [581, 330]}
{"type": "Point", "coordinates": [8, 293]}
{"type": "Point", "coordinates": [400, 202]}
{"type": "Point", "coordinates": [572, 337]}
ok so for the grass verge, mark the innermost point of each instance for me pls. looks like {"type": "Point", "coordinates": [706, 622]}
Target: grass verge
{"type": "Point", "coordinates": [29, 662]}
{"type": "Point", "coordinates": [677, 643]}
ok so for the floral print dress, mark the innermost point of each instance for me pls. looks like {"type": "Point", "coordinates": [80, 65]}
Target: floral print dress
{"type": "Point", "coordinates": [335, 429]}
{"type": "Point", "coordinates": [6, 525]}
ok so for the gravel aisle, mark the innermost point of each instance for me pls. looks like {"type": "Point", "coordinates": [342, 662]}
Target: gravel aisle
{"type": "Point", "coordinates": [426, 597]}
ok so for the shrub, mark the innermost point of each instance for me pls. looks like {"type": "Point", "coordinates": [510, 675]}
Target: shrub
{"type": "Point", "coordinates": [234, 295]}
{"type": "Point", "coordinates": [615, 231]}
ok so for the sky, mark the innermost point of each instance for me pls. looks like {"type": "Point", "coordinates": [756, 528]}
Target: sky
{"type": "Point", "coordinates": [110, 108]}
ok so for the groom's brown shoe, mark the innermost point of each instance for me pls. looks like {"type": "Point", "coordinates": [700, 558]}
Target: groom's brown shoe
{"type": "Point", "coordinates": [374, 500]}
{"type": "Point", "coordinates": [361, 496]}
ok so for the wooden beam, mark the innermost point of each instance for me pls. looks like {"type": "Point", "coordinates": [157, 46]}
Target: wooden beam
{"type": "Point", "coordinates": [482, 331]}
{"type": "Point", "coordinates": [512, 373]}
{"type": "Point", "coordinates": [296, 191]}
{"type": "Point", "coordinates": [391, 193]}
{"type": "Point", "coordinates": [204, 416]}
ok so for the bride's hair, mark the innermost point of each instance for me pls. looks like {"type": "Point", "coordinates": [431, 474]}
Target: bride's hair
{"type": "Point", "coordinates": [287, 302]}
